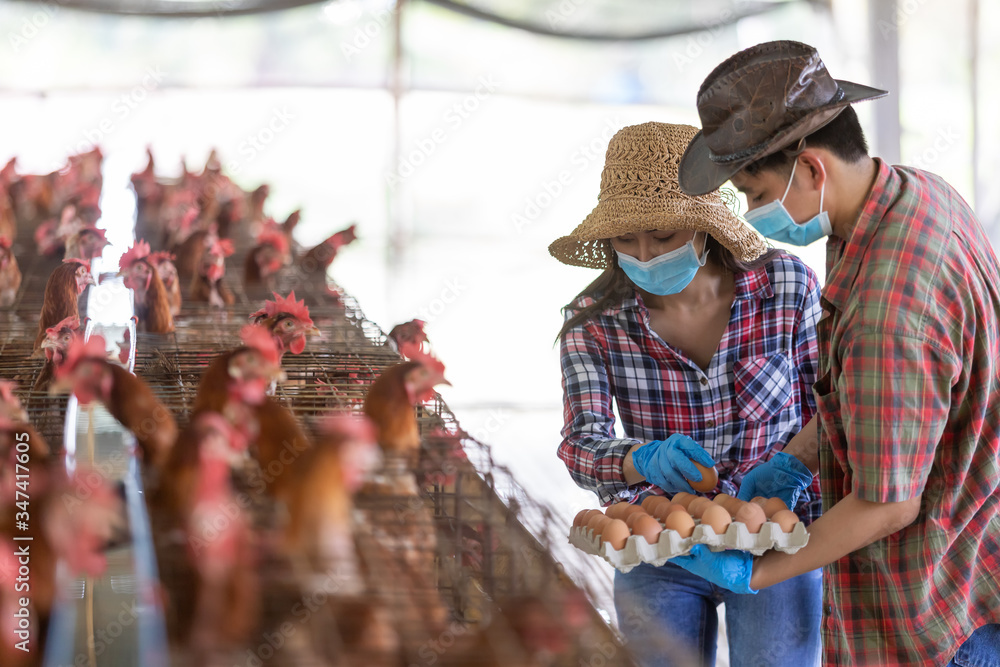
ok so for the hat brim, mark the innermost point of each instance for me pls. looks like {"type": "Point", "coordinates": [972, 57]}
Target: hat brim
{"type": "Point", "coordinates": [698, 174]}
{"type": "Point", "coordinates": [588, 245]}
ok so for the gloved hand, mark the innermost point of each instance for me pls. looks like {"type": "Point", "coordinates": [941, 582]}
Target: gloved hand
{"type": "Point", "coordinates": [667, 463]}
{"type": "Point", "coordinates": [784, 476]}
{"type": "Point", "coordinates": [729, 569]}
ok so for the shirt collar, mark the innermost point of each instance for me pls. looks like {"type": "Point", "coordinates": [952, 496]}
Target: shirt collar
{"type": "Point", "coordinates": [843, 258]}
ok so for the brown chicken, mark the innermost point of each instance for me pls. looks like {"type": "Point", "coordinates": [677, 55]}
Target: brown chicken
{"type": "Point", "coordinates": [87, 372]}
{"type": "Point", "coordinates": [319, 258]}
{"type": "Point", "coordinates": [164, 263]}
{"type": "Point", "coordinates": [87, 243]}
{"type": "Point", "coordinates": [266, 258]}
{"type": "Point", "coordinates": [234, 385]}
{"type": "Point", "coordinates": [206, 285]}
{"type": "Point", "coordinates": [64, 287]}
{"type": "Point", "coordinates": [288, 321]}
{"type": "Point", "coordinates": [197, 497]}
{"type": "Point", "coordinates": [152, 303]}
{"type": "Point", "coordinates": [390, 503]}
{"type": "Point", "coordinates": [394, 394]}
{"type": "Point", "coordinates": [8, 221]}
{"type": "Point", "coordinates": [188, 252]}
{"type": "Point", "coordinates": [10, 274]}
{"type": "Point", "coordinates": [319, 504]}
{"type": "Point", "coordinates": [57, 341]}
{"type": "Point", "coordinates": [409, 336]}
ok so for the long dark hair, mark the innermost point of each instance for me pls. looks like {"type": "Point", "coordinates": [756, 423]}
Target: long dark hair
{"type": "Point", "coordinates": [613, 286]}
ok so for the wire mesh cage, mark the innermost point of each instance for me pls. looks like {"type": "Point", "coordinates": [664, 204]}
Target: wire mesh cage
{"type": "Point", "coordinates": [448, 561]}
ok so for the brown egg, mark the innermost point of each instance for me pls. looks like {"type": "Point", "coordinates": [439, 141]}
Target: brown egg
{"type": "Point", "coordinates": [647, 527]}
{"type": "Point", "coordinates": [752, 515]}
{"type": "Point", "coordinates": [652, 502]}
{"type": "Point", "coordinates": [721, 499]}
{"type": "Point", "coordinates": [618, 510]}
{"type": "Point", "coordinates": [733, 505]}
{"type": "Point", "coordinates": [597, 523]}
{"type": "Point", "coordinates": [709, 478]}
{"type": "Point", "coordinates": [699, 505]}
{"type": "Point", "coordinates": [582, 517]}
{"type": "Point", "coordinates": [615, 533]}
{"type": "Point", "coordinates": [664, 510]}
{"type": "Point", "coordinates": [684, 498]}
{"type": "Point", "coordinates": [774, 505]}
{"type": "Point", "coordinates": [786, 519]}
{"type": "Point", "coordinates": [681, 522]}
{"type": "Point", "coordinates": [717, 517]}
{"type": "Point", "coordinates": [760, 500]}
{"type": "Point", "coordinates": [633, 517]}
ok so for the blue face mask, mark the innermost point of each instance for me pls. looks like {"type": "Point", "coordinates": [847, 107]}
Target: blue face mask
{"type": "Point", "coordinates": [668, 273]}
{"type": "Point", "coordinates": [774, 222]}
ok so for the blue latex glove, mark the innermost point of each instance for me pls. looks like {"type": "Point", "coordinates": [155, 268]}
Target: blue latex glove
{"type": "Point", "coordinates": [667, 463]}
{"type": "Point", "coordinates": [784, 476]}
{"type": "Point", "coordinates": [729, 569]}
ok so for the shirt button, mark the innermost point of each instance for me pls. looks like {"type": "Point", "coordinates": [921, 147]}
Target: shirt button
{"type": "Point", "coordinates": [827, 609]}
{"type": "Point", "coordinates": [710, 423]}
{"type": "Point", "coordinates": [704, 382]}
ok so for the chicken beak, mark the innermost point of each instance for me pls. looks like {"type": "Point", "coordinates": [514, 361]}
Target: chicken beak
{"type": "Point", "coordinates": [48, 344]}
{"type": "Point", "coordinates": [314, 331]}
{"type": "Point", "coordinates": [89, 279]}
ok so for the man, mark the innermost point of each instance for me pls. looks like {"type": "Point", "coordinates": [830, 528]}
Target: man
{"type": "Point", "coordinates": [907, 429]}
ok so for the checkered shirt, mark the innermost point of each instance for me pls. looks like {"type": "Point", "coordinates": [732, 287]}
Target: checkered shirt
{"type": "Point", "coordinates": [755, 395]}
{"type": "Point", "coordinates": [909, 403]}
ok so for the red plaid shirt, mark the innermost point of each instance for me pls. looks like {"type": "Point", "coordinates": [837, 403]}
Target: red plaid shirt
{"type": "Point", "coordinates": [755, 395]}
{"type": "Point", "coordinates": [909, 403]}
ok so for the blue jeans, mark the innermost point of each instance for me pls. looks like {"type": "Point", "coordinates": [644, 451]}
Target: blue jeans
{"type": "Point", "coordinates": [981, 649]}
{"type": "Point", "coordinates": [668, 616]}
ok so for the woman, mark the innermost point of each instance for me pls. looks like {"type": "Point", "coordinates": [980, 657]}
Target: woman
{"type": "Point", "coordinates": [705, 340]}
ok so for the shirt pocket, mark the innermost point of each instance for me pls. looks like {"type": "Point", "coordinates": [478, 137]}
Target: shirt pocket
{"type": "Point", "coordinates": [763, 386]}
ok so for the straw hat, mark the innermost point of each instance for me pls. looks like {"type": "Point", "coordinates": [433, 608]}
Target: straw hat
{"type": "Point", "coordinates": [639, 192]}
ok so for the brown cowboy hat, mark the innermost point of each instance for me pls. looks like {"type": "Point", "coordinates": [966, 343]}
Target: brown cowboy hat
{"type": "Point", "coordinates": [758, 102]}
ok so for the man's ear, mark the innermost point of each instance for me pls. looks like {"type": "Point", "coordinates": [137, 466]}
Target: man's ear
{"type": "Point", "coordinates": [812, 167]}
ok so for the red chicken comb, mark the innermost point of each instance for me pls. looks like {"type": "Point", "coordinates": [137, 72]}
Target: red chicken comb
{"type": "Point", "coordinates": [285, 305]}
{"type": "Point", "coordinates": [5, 242]}
{"type": "Point", "coordinates": [260, 339]}
{"type": "Point", "coordinates": [72, 323]}
{"type": "Point", "coordinates": [189, 217]}
{"type": "Point", "coordinates": [274, 238]}
{"type": "Point", "coordinates": [79, 350]}
{"type": "Point", "coordinates": [222, 247]}
{"type": "Point", "coordinates": [138, 251]}
{"type": "Point", "coordinates": [161, 256]}
{"type": "Point", "coordinates": [84, 262]}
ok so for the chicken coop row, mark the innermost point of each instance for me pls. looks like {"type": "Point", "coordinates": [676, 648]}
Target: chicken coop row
{"type": "Point", "coordinates": [459, 572]}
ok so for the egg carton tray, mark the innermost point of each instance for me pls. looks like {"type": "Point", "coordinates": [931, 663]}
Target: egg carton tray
{"type": "Point", "coordinates": [637, 550]}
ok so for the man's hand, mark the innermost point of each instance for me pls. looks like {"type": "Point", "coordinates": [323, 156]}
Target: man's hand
{"type": "Point", "coordinates": [782, 477]}
{"type": "Point", "coordinates": [730, 569]}
{"type": "Point", "coordinates": [667, 463]}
